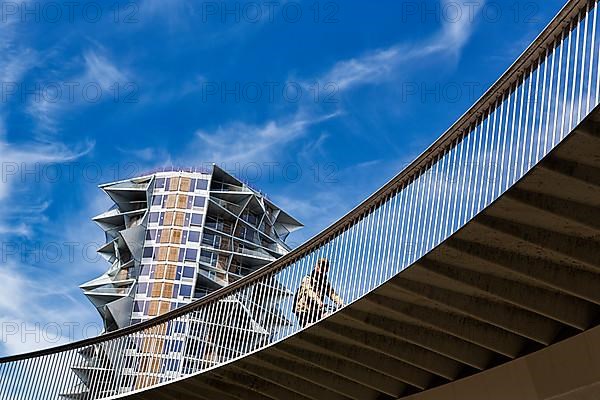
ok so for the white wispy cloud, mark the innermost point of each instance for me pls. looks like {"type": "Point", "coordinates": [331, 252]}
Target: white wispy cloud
{"type": "Point", "coordinates": [242, 142]}
{"type": "Point", "coordinates": [166, 91]}
{"type": "Point", "coordinates": [382, 64]}
{"type": "Point", "coordinates": [37, 313]}
{"type": "Point", "coordinates": [15, 57]}
{"type": "Point", "coordinates": [23, 198]}
{"type": "Point", "coordinates": [369, 68]}
{"type": "Point", "coordinates": [20, 229]}
{"type": "Point", "coordinates": [42, 301]}
{"type": "Point", "coordinates": [239, 141]}
{"type": "Point", "coordinates": [28, 301]}
{"type": "Point", "coordinates": [98, 68]}
{"type": "Point", "coordinates": [144, 154]}
{"type": "Point", "coordinates": [18, 158]}
{"type": "Point", "coordinates": [2, 128]}
{"type": "Point", "coordinates": [220, 25]}
{"type": "Point", "coordinates": [16, 62]}
{"type": "Point", "coordinates": [97, 71]}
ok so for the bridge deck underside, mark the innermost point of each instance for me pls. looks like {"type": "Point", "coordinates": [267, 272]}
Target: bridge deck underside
{"type": "Point", "coordinates": [521, 276]}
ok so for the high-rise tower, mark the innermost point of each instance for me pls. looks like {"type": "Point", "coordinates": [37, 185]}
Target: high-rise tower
{"type": "Point", "coordinates": [172, 237]}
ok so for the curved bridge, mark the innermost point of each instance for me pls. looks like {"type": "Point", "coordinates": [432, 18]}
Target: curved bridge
{"type": "Point", "coordinates": [475, 269]}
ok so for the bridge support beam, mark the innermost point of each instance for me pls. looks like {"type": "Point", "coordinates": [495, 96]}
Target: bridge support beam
{"type": "Point", "coordinates": [520, 322]}
{"type": "Point", "coordinates": [468, 329]}
{"type": "Point", "coordinates": [573, 281]}
{"type": "Point", "coordinates": [438, 342]}
{"type": "Point", "coordinates": [532, 300]}
{"type": "Point", "coordinates": [388, 346]}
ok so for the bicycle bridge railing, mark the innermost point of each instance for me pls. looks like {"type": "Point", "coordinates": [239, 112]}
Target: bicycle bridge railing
{"type": "Point", "coordinates": [521, 118]}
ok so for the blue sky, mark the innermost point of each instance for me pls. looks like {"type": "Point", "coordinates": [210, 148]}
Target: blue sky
{"type": "Point", "coordinates": [318, 104]}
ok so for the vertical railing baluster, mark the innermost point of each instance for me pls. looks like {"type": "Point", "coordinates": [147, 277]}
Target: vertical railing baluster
{"type": "Point", "coordinates": [575, 72]}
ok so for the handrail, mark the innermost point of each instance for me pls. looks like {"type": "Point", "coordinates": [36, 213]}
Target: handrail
{"type": "Point", "coordinates": [446, 141]}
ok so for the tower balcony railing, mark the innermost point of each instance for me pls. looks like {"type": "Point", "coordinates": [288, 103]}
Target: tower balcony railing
{"type": "Point", "coordinates": [220, 226]}
{"type": "Point", "coordinates": [518, 121]}
{"type": "Point", "coordinates": [229, 206]}
{"type": "Point", "coordinates": [226, 187]}
{"type": "Point", "coordinates": [255, 253]}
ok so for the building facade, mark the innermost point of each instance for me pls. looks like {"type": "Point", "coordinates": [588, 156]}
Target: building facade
{"type": "Point", "coordinates": [171, 238]}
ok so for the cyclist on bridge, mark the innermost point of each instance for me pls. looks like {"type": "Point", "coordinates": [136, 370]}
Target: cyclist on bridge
{"type": "Point", "coordinates": [309, 301]}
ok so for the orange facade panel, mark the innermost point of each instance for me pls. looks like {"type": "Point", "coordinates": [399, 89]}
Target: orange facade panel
{"type": "Point", "coordinates": [171, 201]}
{"type": "Point", "coordinates": [165, 236]}
{"type": "Point", "coordinates": [176, 235]}
{"type": "Point", "coordinates": [179, 218]}
{"type": "Point", "coordinates": [185, 184]}
{"type": "Point", "coordinates": [182, 200]}
{"type": "Point", "coordinates": [174, 185]}
{"type": "Point", "coordinates": [169, 216]}
{"type": "Point", "coordinates": [170, 272]}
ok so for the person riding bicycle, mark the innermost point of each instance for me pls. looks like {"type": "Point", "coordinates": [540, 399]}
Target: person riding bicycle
{"type": "Point", "coordinates": [309, 302]}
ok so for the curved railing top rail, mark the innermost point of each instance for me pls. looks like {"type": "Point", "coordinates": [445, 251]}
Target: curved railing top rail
{"type": "Point", "coordinates": [446, 141]}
